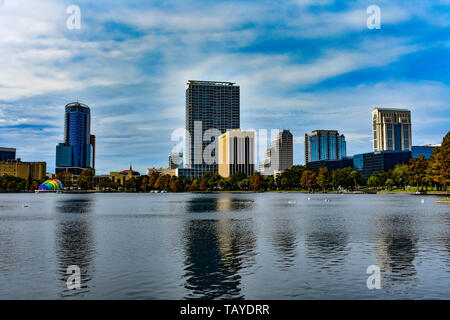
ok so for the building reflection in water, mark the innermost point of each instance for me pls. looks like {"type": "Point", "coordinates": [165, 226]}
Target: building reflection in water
{"type": "Point", "coordinates": [326, 243]}
{"type": "Point", "coordinates": [284, 240]}
{"type": "Point", "coordinates": [217, 251]}
{"type": "Point", "coordinates": [396, 249]}
{"type": "Point", "coordinates": [74, 242]}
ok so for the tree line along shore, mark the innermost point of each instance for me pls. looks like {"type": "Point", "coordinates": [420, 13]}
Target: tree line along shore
{"type": "Point", "coordinates": [419, 174]}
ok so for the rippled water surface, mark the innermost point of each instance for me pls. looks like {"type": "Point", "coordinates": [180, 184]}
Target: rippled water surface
{"type": "Point", "coordinates": [216, 246]}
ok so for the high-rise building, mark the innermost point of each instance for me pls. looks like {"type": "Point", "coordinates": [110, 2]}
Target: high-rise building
{"type": "Point", "coordinates": [175, 160]}
{"type": "Point", "coordinates": [77, 140]}
{"type": "Point", "coordinates": [7, 154]}
{"type": "Point", "coordinates": [212, 108]}
{"type": "Point", "coordinates": [92, 140]}
{"type": "Point", "coordinates": [325, 145]}
{"type": "Point", "coordinates": [279, 156]}
{"type": "Point", "coordinates": [236, 152]}
{"type": "Point", "coordinates": [426, 151]}
{"type": "Point", "coordinates": [391, 129]}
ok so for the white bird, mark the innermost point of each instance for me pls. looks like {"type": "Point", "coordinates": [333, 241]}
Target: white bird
{"type": "Point", "coordinates": [309, 198]}
{"type": "Point", "coordinates": [423, 200]}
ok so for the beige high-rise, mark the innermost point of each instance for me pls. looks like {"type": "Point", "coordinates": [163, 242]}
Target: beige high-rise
{"type": "Point", "coordinates": [391, 129]}
{"type": "Point", "coordinates": [236, 152]}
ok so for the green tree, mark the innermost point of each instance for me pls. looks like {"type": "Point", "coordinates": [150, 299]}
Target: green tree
{"type": "Point", "coordinates": [400, 174]}
{"type": "Point", "coordinates": [389, 183]}
{"type": "Point", "coordinates": [372, 182]}
{"type": "Point", "coordinates": [417, 169]}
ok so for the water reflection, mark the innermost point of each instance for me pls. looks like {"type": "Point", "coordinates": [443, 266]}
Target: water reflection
{"type": "Point", "coordinates": [396, 249]}
{"type": "Point", "coordinates": [224, 203]}
{"type": "Point", "coordinates": [216, 251]}
{"type": "Point", "coordinates": [74, 242]}
{"type": "Point", "coordinates": [327, 243]}
{"type": "Point", "coordinates": [284, 240]}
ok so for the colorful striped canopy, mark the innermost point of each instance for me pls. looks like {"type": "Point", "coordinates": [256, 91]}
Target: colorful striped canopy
{"type": "Point", "coordinates": [52, 184]}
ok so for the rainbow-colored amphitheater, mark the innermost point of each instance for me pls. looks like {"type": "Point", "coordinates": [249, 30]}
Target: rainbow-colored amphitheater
{"type": "Point", "coordinates": [51, 185]}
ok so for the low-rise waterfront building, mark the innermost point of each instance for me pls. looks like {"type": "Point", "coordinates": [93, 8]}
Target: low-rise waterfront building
{"type": "Point", "coordinates": [24, 170]}
{"type": "Point", "coordinates": [123, 176]}
{"type": "Point", "coordinates": [369, 163]}
{"type": "Point", "coordinates": [426, 151]}
{"type": "Point", "coordinates": [331, 164]}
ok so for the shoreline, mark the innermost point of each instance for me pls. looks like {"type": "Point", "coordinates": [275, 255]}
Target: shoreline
{"type": "Point", "coordinates": [429, 193]}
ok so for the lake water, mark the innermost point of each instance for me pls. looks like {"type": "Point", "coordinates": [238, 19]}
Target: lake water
{"type": "Point", "coordinates": [217, 246]}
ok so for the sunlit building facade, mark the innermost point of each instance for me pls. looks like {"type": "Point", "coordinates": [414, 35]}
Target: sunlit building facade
{"type": "Point", "coordinates": [391, 129]}
{"type": "Point", "coordinates": [236, 152]}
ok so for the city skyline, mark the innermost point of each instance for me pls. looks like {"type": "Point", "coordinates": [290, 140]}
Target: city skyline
{"type": "Point", "coordinates": [302, 74]}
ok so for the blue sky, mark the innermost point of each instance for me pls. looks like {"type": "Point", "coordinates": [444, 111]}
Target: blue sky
{"type": "Point", "coordinates": [302, 65]}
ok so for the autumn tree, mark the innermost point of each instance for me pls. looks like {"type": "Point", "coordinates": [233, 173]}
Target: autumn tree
{"type": "Point", "coordinates": [308, 180]}
{"type": "Point", "coordinates": [323, 178]}
{"type": "Point", "coordinates": [439, 169]}
{"type": "Point", "coordinates": [257, 181]}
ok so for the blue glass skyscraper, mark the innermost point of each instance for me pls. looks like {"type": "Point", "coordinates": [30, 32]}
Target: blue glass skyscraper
{"type": "Point", "coordinates": [76, 153]}
{"type": "Point", "coordinates": [325, 145]}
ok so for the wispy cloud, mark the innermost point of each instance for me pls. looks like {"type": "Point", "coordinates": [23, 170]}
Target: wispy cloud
{"type": "Point", "coordinates": [301, 65]}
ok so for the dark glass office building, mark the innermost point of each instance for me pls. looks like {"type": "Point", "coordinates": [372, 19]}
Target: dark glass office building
{"type": "Point", "coordinates": [426, 151]}
{"type": "Point", "coordinates": [325, 145]}
{"type": "Point", "coordinates": [76, 153]}
{"type": "Point", "coordinates": [331, 164]}
{"type": "Point", "coordinates": [209, 105]}
{"type": "Point", "coordinates": [369, 163]}
{"type": "Point", "coordinates": [7, 154]}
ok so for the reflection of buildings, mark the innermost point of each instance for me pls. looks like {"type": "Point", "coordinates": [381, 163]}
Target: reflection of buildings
{"type": "Point", "coordinates": [74, 242]}
{"type": "Point", "coordinates": [216, 252]}
{"type": "Point", "coordinates": [284, 239]}
{"type": "Point", "coordinates": [327, 247]}
{"type": "Point", "coordinates": [396, 250]}
{"type": "Point", "coordinates": [236, 152]}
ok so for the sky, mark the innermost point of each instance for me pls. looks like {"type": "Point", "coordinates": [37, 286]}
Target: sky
{"type": "Point", "coordinates": [301, 65]}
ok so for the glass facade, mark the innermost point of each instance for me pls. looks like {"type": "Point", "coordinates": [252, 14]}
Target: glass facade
{"type": "Point", "coordinates": [369, 163]}
{"type": "Point", "coordinates": [209, 105]}
{"type": "Point", "coordinates": [426, 151]}
{"type": "Point", "coordinates": [325, 145]}
{"type": "Point", "coordinates": [7, 154]}
{"type": "Point", "coordinates": [77, 138]}
{"type": "Point", "coordinates": [63, 155]}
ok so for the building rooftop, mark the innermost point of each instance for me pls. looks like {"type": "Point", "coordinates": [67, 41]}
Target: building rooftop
{"type": "Point", "coordinates": [390, 109]}
{"type": "Point", "coordinates": [211, 83]}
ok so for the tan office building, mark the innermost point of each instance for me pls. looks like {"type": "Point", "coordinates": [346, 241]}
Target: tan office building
{"type": "Point", "coordinates": [391, 129]}
{"type": "Point", "coordinates": [236, 152]}
{"type": "Point", "coordinates": [279, 156]}
{"type": "Point", "coordinates": [23, 170]}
